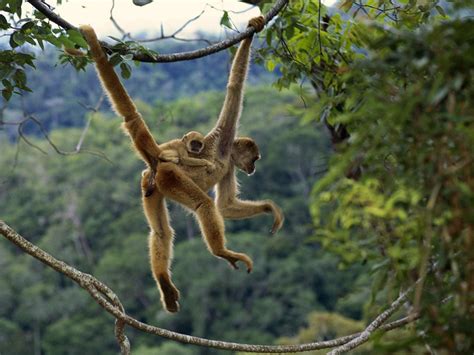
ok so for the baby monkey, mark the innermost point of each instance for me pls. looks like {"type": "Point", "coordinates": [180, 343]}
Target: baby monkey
{"type": "Point", "coordinates": [177, 151]}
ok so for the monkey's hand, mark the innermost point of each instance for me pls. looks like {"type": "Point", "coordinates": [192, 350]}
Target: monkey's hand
{"type": "Point", "coordinates": [258, 23]}
{"type": "Point", "coordinates": [169, 156]}
{"type": "Point", "coordinates": [278, 217]}
{"type": "Point", "coordinates": [210, 167]}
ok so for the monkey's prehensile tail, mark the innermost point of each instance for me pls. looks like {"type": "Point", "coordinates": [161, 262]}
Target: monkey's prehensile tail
{"type": "Point", "coordinates": [134, 124]}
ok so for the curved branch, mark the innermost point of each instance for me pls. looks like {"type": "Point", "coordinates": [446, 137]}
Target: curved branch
{"type": "Point", "coordinates": [373, 326]}
{"type": "Point", "coordinates": [108, 300]}
{"type": "Point", "coordinates": [42, 7]}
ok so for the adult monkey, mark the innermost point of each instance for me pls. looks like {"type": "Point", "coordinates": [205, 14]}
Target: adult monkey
{"type": "Point", "coordinates": [188, 185]}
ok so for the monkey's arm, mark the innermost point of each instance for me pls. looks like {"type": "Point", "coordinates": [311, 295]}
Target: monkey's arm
{"type": "Point", "coordinates": [181, 156]}
{"type": "Point", "coordinates": [169, 155]}
{"type": "Point", "coordinates": [195, 161]}
{"type": "Point", "coordinates": [232, 207]}
{"type": "Point", "coordinates": [141, 137]}
{"type": "Point", "coordinates": [232, 107]}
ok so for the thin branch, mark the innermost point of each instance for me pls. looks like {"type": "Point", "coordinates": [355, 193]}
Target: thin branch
{"type": "Point", "coordinates": [108, 300]}
{"type": "Point", "coordinates": [115, 23]}
{"type": "Point", "coordinates": [252, 6]}
{"type": "Point", "coordinates": [51, 143]}
{"type": "Point", "coordinates": [45, 9]}
{"type": "Point", "coordinates": [78, 149]}
{"type": "Point", "coordinates": [94, 110]}
{"type": "Point", "coordinates": [373, 326]}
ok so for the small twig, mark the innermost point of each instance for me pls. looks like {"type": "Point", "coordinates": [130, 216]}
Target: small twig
{"type": "Point", "coordinates": [373, 326]}
{"type": "Point", "coordinates": [231, 11]}
{"type": "Point", "coordinates": [115, 23]}
{"type": "Point", "coordinates": [88, 123]}
{"type": "Point", "coordinates": [51, 143]}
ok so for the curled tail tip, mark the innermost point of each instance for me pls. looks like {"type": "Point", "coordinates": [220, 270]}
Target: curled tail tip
{"type": "Point", "coordinates": [89, 33]}
{"type": "Point", "coordinates": [86, 28]}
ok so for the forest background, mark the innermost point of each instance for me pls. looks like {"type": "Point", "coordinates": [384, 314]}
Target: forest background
{"type": "Point", "coordinates": [350, 242]}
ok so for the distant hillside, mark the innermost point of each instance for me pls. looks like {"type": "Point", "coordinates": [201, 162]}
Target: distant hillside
{"type": "Point", "coordinates": [58, 90]}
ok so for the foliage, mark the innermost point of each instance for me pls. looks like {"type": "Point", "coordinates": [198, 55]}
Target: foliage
{"type": "Point", "coordinates": [36, 31]}
{"type": "Point", "coordinates": [403, 89]}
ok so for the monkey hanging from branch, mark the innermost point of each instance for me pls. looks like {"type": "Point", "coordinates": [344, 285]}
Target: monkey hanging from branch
{"type": "Point", "coordinates": [187, 184]}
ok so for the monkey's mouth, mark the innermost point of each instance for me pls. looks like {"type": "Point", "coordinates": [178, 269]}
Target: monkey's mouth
{"type": "Point", "coordinates": [196, 146]}
{"type": "Point", "coordinates": [250, 171]}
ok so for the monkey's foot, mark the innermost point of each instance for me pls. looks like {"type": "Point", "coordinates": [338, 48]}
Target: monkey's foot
{"type": "Point", "coordinates": [233, 258]}
{"type": "Point", "coordinates": [170, 294]}
{"type": "Point", "coordinates": [258, 23]}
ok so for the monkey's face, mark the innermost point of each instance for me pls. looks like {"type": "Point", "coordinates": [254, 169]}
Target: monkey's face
{"type": "Point", "coordinates": [245, 154]}
{"type": "Point", "coordinates": [194, 142]}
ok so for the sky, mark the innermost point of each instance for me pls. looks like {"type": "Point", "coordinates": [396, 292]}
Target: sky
{"type": "Point", "coordinates": [171, 14]}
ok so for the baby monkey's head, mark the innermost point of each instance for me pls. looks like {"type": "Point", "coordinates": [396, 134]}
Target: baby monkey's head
{"type": "Point", "coordinates": [194, 142]}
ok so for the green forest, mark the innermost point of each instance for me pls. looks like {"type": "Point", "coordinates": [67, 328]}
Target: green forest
{"type": "Point", "coordinates": [365, 129]}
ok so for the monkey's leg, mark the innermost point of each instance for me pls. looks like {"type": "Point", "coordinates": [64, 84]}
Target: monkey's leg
{"type": "Point", "coordinates": [174, 184]}
{"type": "Point", "coordinates": [160, 243]}
{"type": "Point", "coordinates": [239, 209]}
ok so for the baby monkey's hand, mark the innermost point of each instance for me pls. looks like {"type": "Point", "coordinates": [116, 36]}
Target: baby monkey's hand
{"type": "Point", "coordinates": [210, 167]}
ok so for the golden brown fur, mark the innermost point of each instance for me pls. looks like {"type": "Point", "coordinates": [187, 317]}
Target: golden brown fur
{"type": "Point", "coordinates": [177, 151]}
{"type": "Point", "coordinates": [186, 184]}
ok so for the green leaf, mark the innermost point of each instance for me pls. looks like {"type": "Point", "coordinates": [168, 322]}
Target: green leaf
{"type": "Point", "coordinates": [17, 39]}
{"type": "Point", "coordinates": [116, 39]}
{"type": "Point", "coordinates": [440, 10]}
{"type": "Point", "coordinates": [7, 94]}
{"type": "Point", "coordinates": [270, 65]}
{"type": "Point", "coordinates": [346, 5]}
{"type": "Point", "coordinates": [225, 20]}
{"type": "Point", "coordinates": [76, 37]}
{"type": "Point", "coordinates": [4, 25]}
{"type": "Point", "coordinates": [28, 25]}
{"type": "Point", "coordinates": [40, 43]}
{"type": "Point", "coordinates": [115, 59]}
{"type": "Point", "coordinates": [20, 78]}
{"type": "Point", "coordinates": [38, 15]}
{"type": "Point", "coordinates": [125, 70]}
{"type": "Point", "coordinates": [66, 42]}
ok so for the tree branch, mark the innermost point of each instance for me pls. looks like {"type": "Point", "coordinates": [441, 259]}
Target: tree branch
{"type": "Point", "coordinates": [108, 300]}
{"type": "Point", "coordinates": [373, 326]}
{"type": "Point", "coordinates": [45, 9]}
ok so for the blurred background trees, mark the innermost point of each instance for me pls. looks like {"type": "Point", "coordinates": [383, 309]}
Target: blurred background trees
{"type": "Point", "coordinates": [394, 76]}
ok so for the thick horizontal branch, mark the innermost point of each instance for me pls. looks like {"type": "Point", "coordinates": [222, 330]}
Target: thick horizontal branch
{"type": "Point", "coordinates": [45, 9]}
{"type": "Point", "coordinates": [106, 298]}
